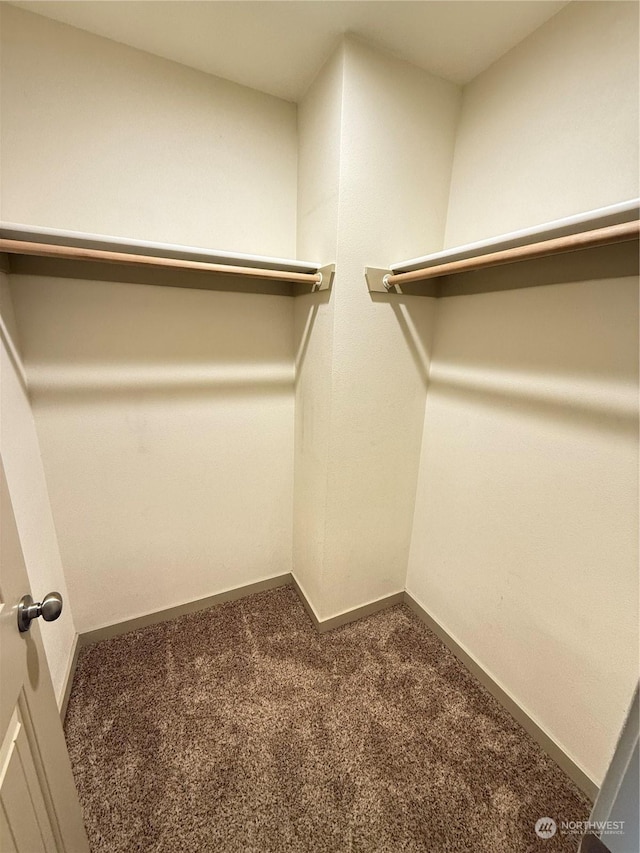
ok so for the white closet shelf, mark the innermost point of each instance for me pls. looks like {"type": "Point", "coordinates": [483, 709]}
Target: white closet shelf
{"type": "Point", "coordinates": [69, 253]}
{"type": "Point", "coordinates": [602, 227]}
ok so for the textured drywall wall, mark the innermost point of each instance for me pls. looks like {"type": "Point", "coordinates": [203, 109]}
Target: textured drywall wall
{"type": "Point", "coordinates": [319, 148]}
{"type": "Point", "coordinates": [165, 415]}
{"type": "Point", "coordinates": [25, 476]}
{"type": "Point", "coordinates": [551, 129]}
{"type": "Point", "coordinates": [99, 137]}
{"type": "Point", "coordinates": [165, 418]}
{"type": "Point", "coordinates": [525, 535]}
{"type": "Point", "coordinates": [397, 147]}
{"type": "Point", "coordinates": [525, 532]}
{"type": "Point", "coordinates": [360, 406]}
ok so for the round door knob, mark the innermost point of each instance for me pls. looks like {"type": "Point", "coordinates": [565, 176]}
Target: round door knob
{"type": "Point", "coordinates": [49, 608]}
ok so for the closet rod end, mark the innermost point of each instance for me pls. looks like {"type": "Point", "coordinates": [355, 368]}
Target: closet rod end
{"type": "Point", "coordinates": [377, 280]}
{"type": "Point", "coordinates": [326, 274]}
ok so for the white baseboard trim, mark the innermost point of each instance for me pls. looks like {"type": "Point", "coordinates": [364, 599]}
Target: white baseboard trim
{"type": "Point", "coordinates": [306, 601]}
{"type": "Point", "coordinates": [154, 618]}
{"type": "Point", "coordinates": [542, 738]}
{"type": "Point", "coordinates": [324, 625]}
{"type": "Point", "coordinates": [67, 681]}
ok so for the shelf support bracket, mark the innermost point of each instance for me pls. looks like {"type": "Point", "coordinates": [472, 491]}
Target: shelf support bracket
{"type": "Point", "coordinates": [378, 280]}
{"type": "Point", "coordinates": [326, 274]}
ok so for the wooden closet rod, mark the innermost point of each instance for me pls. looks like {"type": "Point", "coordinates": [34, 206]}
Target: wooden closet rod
{"type": "Point", "coordinates": [47, 250]}
{"type": "Point", "coordinates": [571, 243]}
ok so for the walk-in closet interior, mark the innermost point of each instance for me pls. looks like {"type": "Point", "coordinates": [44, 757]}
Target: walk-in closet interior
{"type": "Point", "coordinates": [319, 404]}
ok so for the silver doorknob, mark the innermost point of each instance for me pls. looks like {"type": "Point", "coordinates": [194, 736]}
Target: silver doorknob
{"type": "Point", "coordinates": [49, 608]}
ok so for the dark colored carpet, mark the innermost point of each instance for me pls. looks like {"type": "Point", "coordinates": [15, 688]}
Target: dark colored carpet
{"type": "Point", "coordinates": [241, 729]}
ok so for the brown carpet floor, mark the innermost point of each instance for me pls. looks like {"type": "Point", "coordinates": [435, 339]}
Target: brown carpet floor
{"type": "Point", "coordinates": [240, 729]}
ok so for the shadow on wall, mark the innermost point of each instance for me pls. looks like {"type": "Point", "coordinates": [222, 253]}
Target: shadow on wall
{"type": "Point", "coordinates": [313, 303]}
{"type": "Point", "coordinates": [418, 334]}
{"type": "Point", "coordinates": [564, 351]}
{"type": "Point", "coordinates": [569, 399]}
{"type": "Point", "coordinates": [9, 339]}
{"type": "Point", "coordinates": [84, 340]}
{"type": "Point", "coordinates": [416, 326]}
{"type": "Point", "coordinates": [91, 382]}
{"type": "Point", "coordinates": [538, 352]}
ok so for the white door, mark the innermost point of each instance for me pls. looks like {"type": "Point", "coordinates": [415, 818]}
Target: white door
{"type": "Point", "coordinates": [39, 808]}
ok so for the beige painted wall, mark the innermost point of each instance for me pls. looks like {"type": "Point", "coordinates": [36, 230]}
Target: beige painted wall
{"type": "Point", "coordinates": [525, 535]}
{"type": "Point", "coordinates": [25, 476]}
{"type": "Point", "coordinates": [99, 137]}
{"type": "Point", "coordinates": [165, 418]}
{"type": "Point", "coordinates": [165, 415]}
{"type": "Point", "coordinates": [393, 113]}
{"type": "Point", "coordinates": [551, 129]}
{"type": "Point", "coordinates": [319, 156]}
{"type": "Point", "coordinates": [370, 356]}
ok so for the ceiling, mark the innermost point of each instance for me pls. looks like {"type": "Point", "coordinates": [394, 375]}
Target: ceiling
{"type": "Point", "coordinates": [278, 46]}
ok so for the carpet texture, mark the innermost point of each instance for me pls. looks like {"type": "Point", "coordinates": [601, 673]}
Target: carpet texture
{"type": "Point", "coordinates": [240, 729]}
